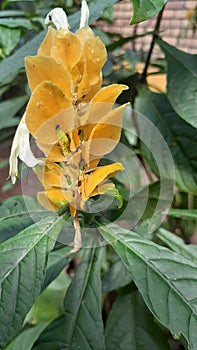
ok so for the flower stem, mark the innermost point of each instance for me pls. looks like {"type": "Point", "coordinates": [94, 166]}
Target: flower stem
{"type": "Point", "coordinates": [77, 238]}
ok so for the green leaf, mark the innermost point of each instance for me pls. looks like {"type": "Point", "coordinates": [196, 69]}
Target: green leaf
{"type": "Point", "coordinates": [9, 39]}
{"type": "Point", "coordinates": [131, 326]}
{"type": "Point", "coordinates": [17, 213]}
{"type": "Point", "coordinates": [53, 296]}
{"type": "Point", "coordinates": [167, 281]}
{"type": "Point", "coordinates": [8, 110]}
{"type": "Point", "coordinates": [117, 276]}
{"type": "Point", "coordinates": [180, 137]}
{"type": "Point", "coordinates": [150, 202]}
{"type": "Point", "coordinates": [16, 23]}
{"type": "Point", "coordinates": [18, 206]}
{"type": "Point", "coordinates": [57, 261]}
{"type": "Point", "coordinates": [81, 324]}
{"type": "Point", "coordinates": [23, 263]}
{"type": "Point", "coordinates": [26, 339]}
{"type": "Point", "coordinates": [183, 213]}
{"type": "Point", "coordinates": [12, 13]}
{"type": "Point", "coordinates": [145, 9]}
{"type": "Point", "coordinates": [189, 251]}
{"type": "Point", "coordinates": [182, 82]}
{"type": "Point", "coordinates": [10, 66]}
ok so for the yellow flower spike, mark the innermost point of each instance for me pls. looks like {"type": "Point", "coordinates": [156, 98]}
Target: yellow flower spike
{"type": "Point", "coordinates": [97, 177]}
{"type": "Point", "coordinates": [70, 117]}
{"type": "Point", "coordinates": [46, 102]}
{"type": "Point", "coordinates": [40, 68]}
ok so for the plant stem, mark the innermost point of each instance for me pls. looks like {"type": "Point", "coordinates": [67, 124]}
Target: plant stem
{"type": "Point", "coordinates": [77, 238]}
{"type": "Point", "coordinates": [154, 37]}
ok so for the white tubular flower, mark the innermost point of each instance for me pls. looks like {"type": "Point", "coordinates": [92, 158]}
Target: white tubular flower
{"type": "Point", "coordinates": [21, 148]}
{"type": "Point", "coordinates": [58, 17]}
{"type": "Point", "coordinates": [84, 14]}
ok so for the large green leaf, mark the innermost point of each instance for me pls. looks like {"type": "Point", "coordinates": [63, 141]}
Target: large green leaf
{"type": "Point", "coordinates": [145, 9]}
{"type": "Point", "coordinates": [131, 326]}
{"type": "Point", "coordinates": [8, 110]}
{"type": "Point", "coordinates": [176, 243]}
{"type": "Point", "coordinates": [166, 280]}
{"type": "Point", "coordinates": [180, 137]}
{"type": "Point", "coordinates": [17, 213]}
{"type": "Point", "coordinates": [81, 324]}
{"type": "Point", "coordinates": [23, 263]}
{"type": "Point", "coordinates": [182, 82]}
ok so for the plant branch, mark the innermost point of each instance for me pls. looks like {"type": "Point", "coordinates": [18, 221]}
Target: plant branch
{"type": "Point", "coordinates": [154, 37]}
{"type": "Point", "coordinates": [77, 238]}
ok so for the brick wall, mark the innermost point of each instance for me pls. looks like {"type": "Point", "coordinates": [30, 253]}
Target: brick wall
{"type": "Point", "coordinates": [175, 27]}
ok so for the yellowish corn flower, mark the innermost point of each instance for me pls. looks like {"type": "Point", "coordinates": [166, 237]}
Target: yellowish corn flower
{"type": "Point", "coordinates": [71, 116]}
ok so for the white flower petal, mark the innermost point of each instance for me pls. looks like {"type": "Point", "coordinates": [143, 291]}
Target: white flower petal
{"type": "Point", "coordinates": [21, 149]}
{"type": "Point", "coordinates": [84, 14]}
{"type": "Point", "coordinates": [58, 17]}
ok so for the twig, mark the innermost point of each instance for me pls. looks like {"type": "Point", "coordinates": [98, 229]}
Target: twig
{"type": "Point", "coordinates": [77, 238]}
{"type": "Point", "coordinates": [154, 37]}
